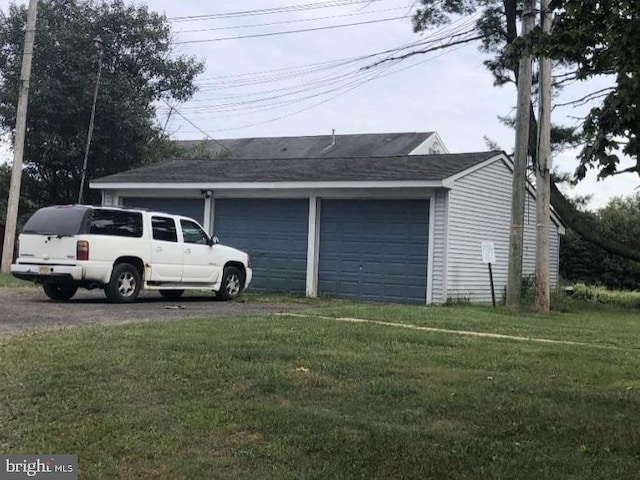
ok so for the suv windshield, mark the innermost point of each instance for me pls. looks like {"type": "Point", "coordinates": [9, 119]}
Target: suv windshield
{"type": "Point", "coordinates": [60, 221]}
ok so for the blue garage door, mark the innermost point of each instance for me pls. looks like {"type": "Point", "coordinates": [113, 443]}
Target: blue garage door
{"type": "Point", "coordinates": [189, 207]}
{"type": "Point", "coordinates": [274, 233]}
{"type": "Point", "coordinates": [374, 249]}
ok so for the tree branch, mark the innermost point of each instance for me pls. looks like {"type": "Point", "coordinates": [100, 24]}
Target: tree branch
{"type": "Point", "coordinates": [587, 229]}
{"type": "Point", "coordinates": [427, 50]}
{"type": "Point", "coordinates": [587, 98]}
{"type": "Point", "coordinates": [633, 169]}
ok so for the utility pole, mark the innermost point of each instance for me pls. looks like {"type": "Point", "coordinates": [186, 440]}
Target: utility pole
{"type": "Point", "coordinates": [543, 174]}
{"type": "Point", "coordinates": [18, 144]}
{"type": "Point", "coordinates": [514, 283]}
{"type": "Point", "coordinates": [98, 44]}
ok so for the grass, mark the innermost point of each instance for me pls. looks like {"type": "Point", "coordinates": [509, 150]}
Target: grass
{"type": "Point", "coordinates": [602, 295]}
{"type": "Point", "coordinates": [8, 280]}
{"type": "Point", "coordinates": [273, 397]}
{"type": "Point", "coordinates": [596, 324]}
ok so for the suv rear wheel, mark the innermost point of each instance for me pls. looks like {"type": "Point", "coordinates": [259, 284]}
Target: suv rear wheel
{"type": "Point", "coordinates": [124, 285]}
{"type": "Point", "coordinates": [59, 292]}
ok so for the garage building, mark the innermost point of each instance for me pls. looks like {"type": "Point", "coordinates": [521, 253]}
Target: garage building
{"type": "Point", "coordinates": [400, 228]}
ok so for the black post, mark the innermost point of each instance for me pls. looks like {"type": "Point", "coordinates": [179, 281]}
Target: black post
{"type": "Point", "coordinates": [493, 292]}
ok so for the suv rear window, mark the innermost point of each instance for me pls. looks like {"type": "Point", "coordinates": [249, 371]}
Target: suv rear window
{"type": "Point", "coordinates": [117, 223]}
{"type": "Point", "coordinates": [63, 221]}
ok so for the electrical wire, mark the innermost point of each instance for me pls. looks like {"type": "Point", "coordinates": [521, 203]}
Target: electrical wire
{"type": "Point", "coordinates": [333, 78]}
{"type": "Point", "coordinates": [301, 20]}
{"type": "Point", "coordinates": [300, 71]}
{"type": "Point", "coordinates": [289, 32]}
{"type": "Point", "coordinates": [282, 117]}
{"type": "Point", "coordinates": [338, 90]}
{"type": "Point", "coordinates": [273, 10]}
{"type": "Point", "coordinates": [269, 104]}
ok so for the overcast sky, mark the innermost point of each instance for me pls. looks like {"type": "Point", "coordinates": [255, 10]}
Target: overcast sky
{"type": "Point", "coordinates": [308, 83]}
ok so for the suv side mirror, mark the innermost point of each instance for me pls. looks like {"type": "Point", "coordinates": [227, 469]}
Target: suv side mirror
{"type": "Point", "coordinates": [213, 241]}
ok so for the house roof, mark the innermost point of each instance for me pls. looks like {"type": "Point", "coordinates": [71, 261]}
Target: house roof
{"type": "Point", "coordinates": [321, 146]}
{"type": "Point", "coordinates": [435, 167]}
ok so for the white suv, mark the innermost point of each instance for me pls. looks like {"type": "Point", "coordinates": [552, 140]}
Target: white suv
{"type": "Point", "coordinates": [124, 251]}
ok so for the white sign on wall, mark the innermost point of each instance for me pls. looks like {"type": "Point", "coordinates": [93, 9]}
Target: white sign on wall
{"type": "Point", "coordinates": [488, 252]}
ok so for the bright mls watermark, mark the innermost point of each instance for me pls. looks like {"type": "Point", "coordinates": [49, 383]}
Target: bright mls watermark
{"type": "Point", "coordinates": [46, 467]}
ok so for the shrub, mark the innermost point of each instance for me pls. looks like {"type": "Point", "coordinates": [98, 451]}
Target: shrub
{"type": "Point", "coordinates": [604, 296]}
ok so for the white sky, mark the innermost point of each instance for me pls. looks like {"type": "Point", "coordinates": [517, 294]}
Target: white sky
{"type": "Point", "coordinates": [448, 91]}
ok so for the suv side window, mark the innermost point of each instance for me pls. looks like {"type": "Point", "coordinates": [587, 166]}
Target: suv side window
{"type": "Point", "coordinates": [192, 233]}
{"type": "Point", "coordinates": [164, 229]}
{"type": "Point", "coordinates": [117, 223]}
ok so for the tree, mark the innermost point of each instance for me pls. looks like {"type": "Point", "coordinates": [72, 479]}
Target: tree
{"type": "Point", "coordinates": [138, 70]}
{"type": "Point", "coordinates": [601, 38]}
{"type": "Point", "coordinates": [25, 204]}
{"type": "Point", "coordinates": [583, 261]}
{"type": "Point", "coordinates": [498, 28]}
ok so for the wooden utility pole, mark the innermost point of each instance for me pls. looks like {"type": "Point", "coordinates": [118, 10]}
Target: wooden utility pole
{"type": "Point", "coordinates": [18, 144]}
{"type": "Point", "coordinates": [514, 283]}
{"type": "Point", "coordinates": [83, 175]}
{"type": "Point", "coordinates": [543, 174]}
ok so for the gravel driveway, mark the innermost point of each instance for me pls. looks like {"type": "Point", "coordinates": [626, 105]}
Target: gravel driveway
{"type": "Point", "coordinates": [24, 309]}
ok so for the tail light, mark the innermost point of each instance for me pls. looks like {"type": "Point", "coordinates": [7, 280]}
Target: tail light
{"type": "Point", "coordinates": [82, 250]}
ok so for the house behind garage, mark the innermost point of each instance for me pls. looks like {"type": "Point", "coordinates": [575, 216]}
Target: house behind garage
{"type": "Point", "coordinates": [387, 217]}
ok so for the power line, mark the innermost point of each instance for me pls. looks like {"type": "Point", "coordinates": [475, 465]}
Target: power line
{"type": "Point", "coordinates": [288, 32]}
{"type": "Point", "coordinates": [233, 27]}
{"type": "Point", "coordinates": [273, 10]}
{"type": "Point", "coordinates": [330, 84]}
{"type": "Point", "coordinates": [443, 33]}
{"type": "Point", "coordinates": [293, 73]}
{"type": "Point", "coordinates": [354, 83]}
{"type": "Point", "coordinates": [282, 117]}
{"type": "Point", "coordinates": [196, 127]}
{"type": "Point", "coordinates": [301, 71]}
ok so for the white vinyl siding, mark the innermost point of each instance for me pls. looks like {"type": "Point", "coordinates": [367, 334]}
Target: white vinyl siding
{"type": "Point", "coordinates": [438, 291]}
{"type": "Point", "coordinates": [480, 210]}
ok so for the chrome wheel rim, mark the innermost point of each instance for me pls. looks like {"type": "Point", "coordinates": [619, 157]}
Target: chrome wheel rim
{"type": "Point", "coordinates": [126, 284]}
{"type": "Point", "coordinates": [233, 285]}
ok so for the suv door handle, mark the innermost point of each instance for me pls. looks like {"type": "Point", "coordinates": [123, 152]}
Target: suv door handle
{"type": "Point", "coordinates": [158, 249]}
{"type": "Point", "coordinates": [188, 250]}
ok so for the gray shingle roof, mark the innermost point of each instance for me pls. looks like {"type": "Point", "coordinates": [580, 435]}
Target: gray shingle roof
{"type": "Point", "coordinates": [395, 168]}
{"type": "Point", "coordinates": [357, 145]}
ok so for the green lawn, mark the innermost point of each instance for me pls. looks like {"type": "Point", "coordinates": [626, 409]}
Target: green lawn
{"type": "Point", "coordinates": [273, 397]}
{"type": "Point", "coordinates": [8, 280]}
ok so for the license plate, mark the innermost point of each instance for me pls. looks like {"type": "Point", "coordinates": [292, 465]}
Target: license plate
{"type": "Point", "coordinates": [44, 270]}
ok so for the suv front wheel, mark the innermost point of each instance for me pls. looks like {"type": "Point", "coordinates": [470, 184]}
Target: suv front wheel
{"type": "Point", "coordinates": [124, 285]}
{"type": "Point", "coordinates": [231, 285]}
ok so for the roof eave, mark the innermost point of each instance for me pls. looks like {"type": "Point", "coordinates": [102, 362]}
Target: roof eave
{"type": "Point", "coordinates": [356, 184]}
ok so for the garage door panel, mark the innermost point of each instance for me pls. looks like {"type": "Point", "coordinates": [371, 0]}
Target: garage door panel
{"type": "Point", "coordinates": [274, 233]}
{"type": "Point", "coordinates": [374, 249]}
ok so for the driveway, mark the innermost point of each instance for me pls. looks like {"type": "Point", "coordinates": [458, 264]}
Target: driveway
{"type": "Point", "coordinates": [23, 309]}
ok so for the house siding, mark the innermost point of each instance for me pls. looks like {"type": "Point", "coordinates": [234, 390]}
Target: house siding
{"type": "Point", "coordinates": [438, 290]}
{"type": "Point", "coordinates": [480, 210]}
